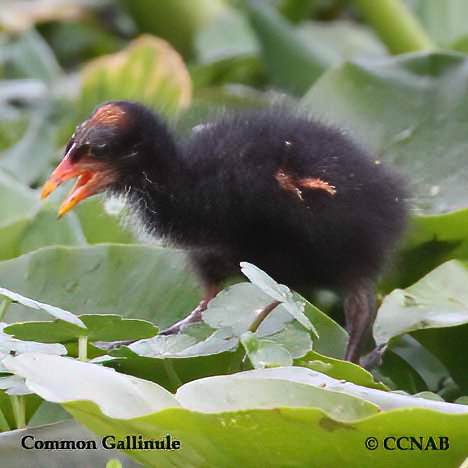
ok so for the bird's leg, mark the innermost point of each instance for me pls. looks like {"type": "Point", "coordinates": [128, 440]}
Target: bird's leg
{"type": "Point", "coordinates": [360, 311]}
{"type": "Point", "coordinates": [211, 290]}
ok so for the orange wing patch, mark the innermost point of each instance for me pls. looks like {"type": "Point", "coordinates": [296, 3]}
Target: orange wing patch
{"type": "Point", "coordinates": [108, 114]}
{"type": "Point", "coordinates": [317, 184]}
{"type": "Point", "coordinates": [288, 183]}
{"type": "Point", "coordinates": [295, 186]}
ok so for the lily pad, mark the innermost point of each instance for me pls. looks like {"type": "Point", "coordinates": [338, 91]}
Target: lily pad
{"type": "Point", "coordinates": [278, 292]}
{"type": "Point", "coordinates": [264, 352]}
{"type": "Point", "coordinates": [410, 110]}
{"type": "Point", "coordinates": [52, 310]}
{"type": "Point", "coordinates": [150, 283]}
{"type": "Point", "coordinates": [99, 328]}
{"type": "Point", "coordinates": [61, 379]}
{"type": "Point", "coordinates": [238, 424]}
{"type": "Point", "coordinates": [440, 299]}
{"type": "Point", "coordinates": [341, 370]}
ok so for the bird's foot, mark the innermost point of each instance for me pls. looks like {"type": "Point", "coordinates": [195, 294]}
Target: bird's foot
{"type": "Point", "coordinates": [373, 359]}
{"type": "Point", "coordinates": [110, 345]}
{"type": "Point", "coordinates": [194, 317]}
{"type": "Point", "coordinates": [211, 290]}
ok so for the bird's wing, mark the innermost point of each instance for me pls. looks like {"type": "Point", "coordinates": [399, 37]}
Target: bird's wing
{"type": "Point", "coordinates": [295, 186]}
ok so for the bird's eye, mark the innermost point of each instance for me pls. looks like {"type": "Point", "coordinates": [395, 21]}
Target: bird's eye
{"type": "Point", "coordinates": [100, 150]}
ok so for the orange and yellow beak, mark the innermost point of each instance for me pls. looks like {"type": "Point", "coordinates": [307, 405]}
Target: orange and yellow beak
{"type": "Point", "coordinates": [92, 177]}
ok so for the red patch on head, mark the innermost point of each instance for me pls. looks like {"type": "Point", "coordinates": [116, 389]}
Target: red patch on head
{"type": "Point", "coordinates": [109, 114]}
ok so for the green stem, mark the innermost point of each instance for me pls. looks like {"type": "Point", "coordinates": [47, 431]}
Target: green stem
{"type": "Point", "coordinates": [263, 315]}
{"type": "Point", "coordinates": [19, 410]}
{"type": "Point", "coordinates": [396, 25]}
{"type": "Point", "coordinates": [4, 426]}
{"type": "Point", "coordinates": [83, 348]}
{"type": "Point", "coordinates": [4, 307]}
{"type": "Point", "coordinates": [171, 373]}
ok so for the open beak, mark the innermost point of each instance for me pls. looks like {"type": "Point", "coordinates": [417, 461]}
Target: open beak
{"type": "Point", "coordinates": [92, 177]}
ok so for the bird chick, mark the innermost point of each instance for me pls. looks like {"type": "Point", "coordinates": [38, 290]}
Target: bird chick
{"type": "Point", "coordinates": [299, 199]}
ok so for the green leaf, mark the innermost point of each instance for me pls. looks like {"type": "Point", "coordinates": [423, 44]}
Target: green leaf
{"type": "Point", "coordinates": [237, 307]}
{"type": "Point", "coordinates": [398, 374]}
{"type": "Point", "coordinates": [297, 11]}
{"type": "Point", "coordinates": [384, 400]}
{"type": "Point", "coordinates": [446, 227]}
{"type": "Point", "coordinates": [99, 328]}
{"type": "Point", "coordinates": [170, 366]}
{"type": "Point", "coordinates": [177, 21]}
{"type": "Point", "coordinates": [410, 110]}
{"type": "Point", "coordinates": [24, 228]}
{"type": "Point", "coordinates": [116, 328]}
{"type": "Point", "coordinates": [28, 159]}
{"type": "Point", "coordinates": [19, 204]}
{"type": "Point", "coordinates": [444, 21]}
{"type": "Point", "coordinates": [243, 70]}
{"type": "Point", "coordinates": [431, 241]}
{"type": "Point", "coordinates": [251, 390]}
{"type": "Point", "coordinates": [296, 56]}
{"type": "Point", "coordinates": [333, 339]}
{"type": "Point", "coordinates": [109, 227]}
{"type": "Point", "coordinates": [60, 379]}
{"type": "Point", "coordinates": [7, 418]}
{"type": "Point", "coordinates": [29, 56]}
{"type": "Point", "coordinates": [161, 346]}
{"type": "Point", "coordinates": [51, 310]}
{"type": "Point", "coordinates": [113, 464]}
{"type": "Point", "coordinates": [8, 345]}
{"type": "Point", "coordinates": [93, 221]}
{"type": "Point", "coordinates": [292, 337]}
{"type": "Point", "coordinates": [278, 292]}
{"type": "Point", "coordinates": [396, 25]}
{"type": "Point", "coordinates": [440, 299]}
{"type": "Point", "coordinates": [341, 370]}
{"type": "Point", "coordinates": [18, 201]}
{"type": "Point", "coordinates": [79, 39]}
{"type": "Point", "coordinates": [429, 368]}
{"type": "Point", "coordinates": [342, 41]}
{"type": "Point", "coordinates": [292, 63]}
{"type": "Point", "coordinates": [264, 352]}
{"type": "Point", "coordinates": [308, 437]}
{"type": "Point", "coordinates": [11, 346]}
{"type": "Point", "coordinates": [44, 229]}
{"type": "Point", "coordinates": [10, 236]}
{"type": "Point", "coordinates": [449, 346]}
{"type": "Point", "coordinates": [13, 385]}
{"type": "Point", "coordinates": [181, 345]}
{"type": "Point", "coordinates": [233, 420]}
{"type": "Point", "coordinates": [229, 35]}
{"type": "Point", "coordinates": [134, 281]}
{"type": "Point", "coordinates": [173, 360]}
{"type": "Point", "coordinates": [148, 70]}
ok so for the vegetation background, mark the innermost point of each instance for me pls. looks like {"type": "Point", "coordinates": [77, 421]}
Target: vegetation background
{"type": "Point", "coordinates": [394, 72]}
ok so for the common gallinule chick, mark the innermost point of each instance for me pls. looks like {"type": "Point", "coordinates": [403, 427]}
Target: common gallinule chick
{"type": "Point", "coordinates": [301, 200]}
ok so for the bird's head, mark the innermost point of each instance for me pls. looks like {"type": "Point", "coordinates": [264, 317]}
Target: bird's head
{"type": "Point", "coordinates": [106, 151]}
